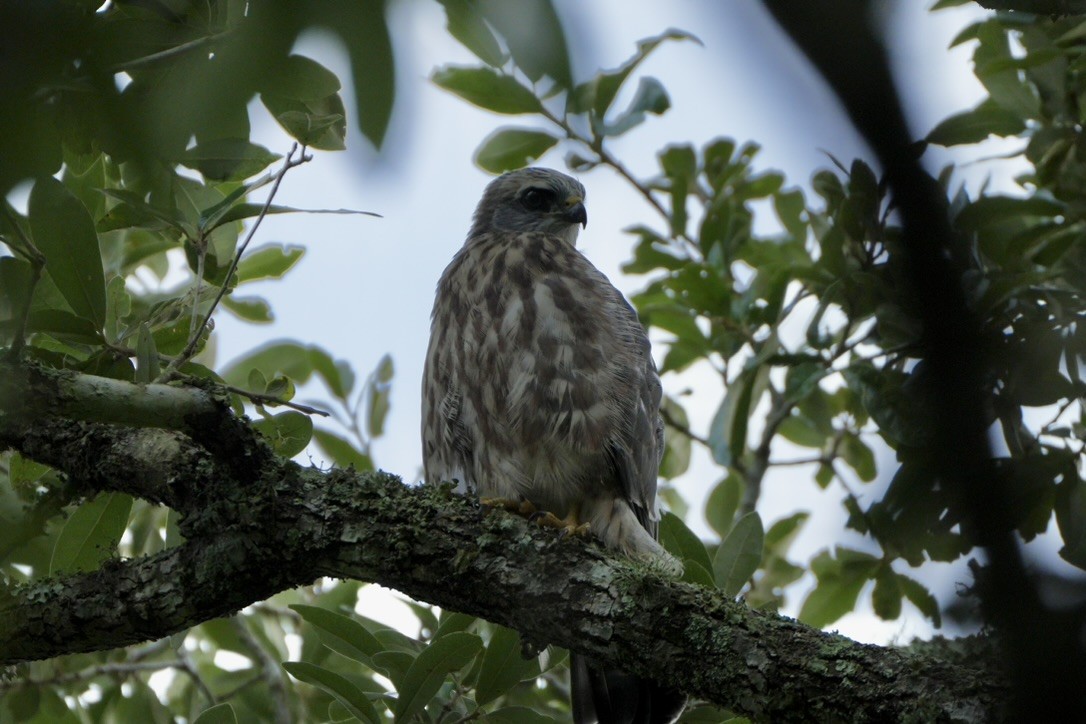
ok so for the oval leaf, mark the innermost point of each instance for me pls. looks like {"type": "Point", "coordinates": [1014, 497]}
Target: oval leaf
{"type": "Point", "coordinates": [510, 148]}
{"type": "Point", "coordinates": [346, 693]}
{"type": "Point", "coordinates": [488, 89]}
{"type": "Point", "coordinates": [288, 432]}
{"type": "Point", "coordinates": [503, 666]}
{"type": "Point", "coordinates": [739, 554]}
{"type": "Point", "coordinates": [341, 451]}
{"type": "Point", "coordinates": [91, 534]}
{"type": "Point", "coordinates": [64, 232]}
{"type": "Point", "coordinates": [682, 542]}
{"type": "Point", "coordinates": [424, 678]}
{"type": "Point", "coordinates": [218, 714]}
{"type": "Point", "coordinates": [341, 633]}
{"type": "Point", "coordinates": [228, 159]}
{"type": "Point", "coordinates": [269, 262]}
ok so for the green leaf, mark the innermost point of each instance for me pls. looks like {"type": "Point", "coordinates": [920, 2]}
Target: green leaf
{"type": "Point", "coordinates": [251, 309]}
{"type": "Point", "coordinates": [452, 621]}
{"type": "Point", "coordinates": [886, 597]}
{"type": "Point", "coordinates": [840, 580]}
{"type": "Point", "coordinates": [364, 29]}
{"type": "Point", "coordinates": [269, 262]}
{"type": "Point", "coordinates": [288, 432]}
{"type": "Point", "coordinates": [791, 208]}
{"type": "Point", "coordinates": [487, 88]}
{"type": "Point", "coordinates": [921, 597]}
{"type": "Point", "coordinates": [303, 78]}
{"type": "Point", "coordinates": [65, 326]}
{"type": "Point", "coordinates": [346, 693]}
{"type": "Point", "coordinates": [858, 456]}
{"type": "Point", "coordinates": [533, 33]}
{"type": "Point", "coordinates": [600, 92]}
{"type": "Point", "coordinates": [677, 445]}
{"type": "Point", "coordinates": [228, 159]}
{"type": "Point", "coordinates": [1070, 510]}
{"type": "Point", "coordinates": [422, 681]}
{"type": "Point", "coordinates": [503, 666]}
{"type": "Point", "coordinates": [296, 361]}
{"type": "Point", "coordinates": [319, 124]}
{"type": "Point", "coordinates": [682, 542]}
{"type": "Point", "coordinates": [466, 24]}
{"type": "Point", "coordinates": [378, 399]}
{"type": "Point", "coordinates": [342, 634]}
{"type": "Point", "coordinates": [722, 503]}
{"type": "Point", "coordinates": [651, 97]}
{"type": "Point", "coordinates": [802, 431]}
{"type": "Point", "coordinates": [218, 714]}
{"type": "Point", "coordinates": [739, 555]}
{"type": "Point", "coordinates": [974, 126]}
{"type": "Point", "coordinates": [91, 534]}
{"type": "Point", "coordinates": [728, 429]}
{"type": "Point", "coordinates": [996, 210]}
{"type": "Point", "coordinates": [510, 148]}
{"type": "Point", "coordinates": [342, 452]}
{"type": "Point", "coordinates": [64, 232]}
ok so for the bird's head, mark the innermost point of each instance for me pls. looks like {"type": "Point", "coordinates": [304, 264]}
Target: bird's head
{"type": "Point", "coordinates": [532, 199]}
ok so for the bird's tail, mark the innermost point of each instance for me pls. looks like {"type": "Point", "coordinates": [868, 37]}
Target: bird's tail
{"type": "Point", "coordinates": [609, 696]}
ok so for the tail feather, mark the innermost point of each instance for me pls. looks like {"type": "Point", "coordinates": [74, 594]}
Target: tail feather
{"type": "Point", "coordinates": [610, 696]}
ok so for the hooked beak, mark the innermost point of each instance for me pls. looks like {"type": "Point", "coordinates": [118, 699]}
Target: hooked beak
{"type": "Point", "coordinates": [576, 212]}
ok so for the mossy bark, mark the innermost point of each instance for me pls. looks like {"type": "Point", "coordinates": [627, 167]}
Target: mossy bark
{"type": "Point", "coordinates": [256, 529]}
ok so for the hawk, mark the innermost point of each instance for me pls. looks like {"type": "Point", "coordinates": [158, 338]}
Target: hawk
{"type": "Point", "coordinates": [539, 387]}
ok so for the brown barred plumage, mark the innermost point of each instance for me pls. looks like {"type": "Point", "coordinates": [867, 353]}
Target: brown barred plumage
{"type": "Point", "coordinates": [540, 386]}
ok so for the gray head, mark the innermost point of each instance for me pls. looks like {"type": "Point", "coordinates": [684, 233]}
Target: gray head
{"type": "Point", "coordinates": [532, 199]}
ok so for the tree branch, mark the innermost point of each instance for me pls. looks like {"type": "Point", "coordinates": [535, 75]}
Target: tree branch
{"type": "Point", "coordinates": [283, 525]}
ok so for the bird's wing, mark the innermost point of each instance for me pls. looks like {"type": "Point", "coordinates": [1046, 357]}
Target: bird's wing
{"type": "Point", "coordinates": [638, 445]}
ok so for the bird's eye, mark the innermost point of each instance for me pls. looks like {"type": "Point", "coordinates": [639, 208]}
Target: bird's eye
{"type": "Point", "coordinates": [537, 199]}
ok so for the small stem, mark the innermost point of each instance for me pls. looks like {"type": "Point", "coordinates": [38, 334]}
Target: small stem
{"type": "Point", "coordinates": [168, 53]}
{"type": "Point", "coordinates": [269, 670]}
{"type": "Point", "coordinates": [819, 459]}
{"type": "Point", "coordinates": [201, 262]}
{"type": "Point", "coordinates": [682, 429]}
{"type": "Point", "coordinates": [262, 399]}
{"type": "Point", "coordinates": [124, 668]}
{"type": "Point", "coordinates": [186, 354]}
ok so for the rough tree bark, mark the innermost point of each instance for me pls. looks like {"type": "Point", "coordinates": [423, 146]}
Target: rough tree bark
{"type": "Point", "coordinates": [266, 525]}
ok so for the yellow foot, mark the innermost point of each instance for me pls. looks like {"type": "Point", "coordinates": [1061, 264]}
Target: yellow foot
{"type": "Point", "coordinates": [568, 525]}
{"type": "Point", "coordinates": [520, 507]}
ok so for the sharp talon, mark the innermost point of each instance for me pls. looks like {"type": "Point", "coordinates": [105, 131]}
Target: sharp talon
{"type": "Point", "coordinates": [522, 508]}
{"type": "Point", "coordinates": [572, 529]}
{"type": "Point", "coordinates": [547, 519]}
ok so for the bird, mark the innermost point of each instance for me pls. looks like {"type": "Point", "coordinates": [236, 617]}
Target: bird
{"type": "Point", "coordinates": [540, 389]}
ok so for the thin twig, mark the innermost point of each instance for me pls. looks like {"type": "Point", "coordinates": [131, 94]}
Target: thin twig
{"type": "Point", "coordinates": [269, 670]}
{"type": "Point", "coordinates": [189, 668]}
{"type": "Point", "coordinates": [288, 163]}
{"type": "Point", "coordinates": [262, 399]}
{"type": "Point", "coordinates": [123, 668]}
{"type": "Point", "coordinates": [681, 428]}
{"type": "Point", "coordinates": [820, 459]}
{"type": "Point", "coordinates": [168, 53]}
